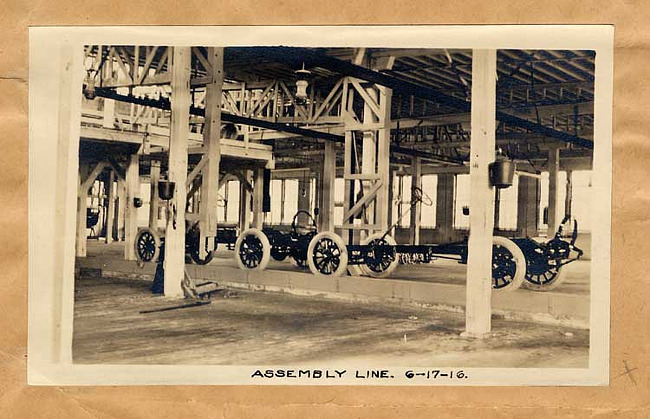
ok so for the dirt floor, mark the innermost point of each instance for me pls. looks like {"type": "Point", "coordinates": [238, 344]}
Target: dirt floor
{"type": "Point", "coordinates": [255, 328]}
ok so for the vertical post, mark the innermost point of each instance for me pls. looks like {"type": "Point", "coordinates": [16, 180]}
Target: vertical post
{"type": "Point", "coordinates": [553, 190]}
{"type": "Point", "coordinates": [258, 197]}
{"type": "Point", "coordinates": [329, 178]}
{"type": "Point", "coordinates": [131, 212]}
{"type": "Point", "coordinates": [212, 143]}
{"type": "Point", "coordinates": [383, 158]}
{"type": "Point", "coordinates": [175, 234]}
{"type": "Point", "coordinates": [121, 202]}
{"type": "Point", "coordinates": [110, 210]}
{"type": "Point", "coordinates": [569, 193]}
{"type": "Point", "coordinates": [245, 202]}
{"type": "Point", "coordinates": [304, 198]}
{"type": "Point", "coordinates": [416, 209]}
{"type": "Point", "coordinates": [445, 206]}
{"type": "Point", "coordinates": [153, 199]}
{"type": "Point", "coordinates": [82, 207]}
{"type": "Point", "coordinates": [481, 217]}
{"type": "Point", "coordinates": [527, 206]}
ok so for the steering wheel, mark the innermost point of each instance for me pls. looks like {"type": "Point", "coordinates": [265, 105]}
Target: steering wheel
{"type": "Point", "coordinates": [418, 195]}
{"type": "Point", "coordinates": [294, 224]}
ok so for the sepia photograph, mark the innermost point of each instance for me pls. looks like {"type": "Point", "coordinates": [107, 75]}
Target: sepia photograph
{"type": "Point", "coordinates": [416, 205]}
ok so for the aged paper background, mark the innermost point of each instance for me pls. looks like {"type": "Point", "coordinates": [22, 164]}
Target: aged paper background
{"type": "Point", "coordinates": [627, 395]}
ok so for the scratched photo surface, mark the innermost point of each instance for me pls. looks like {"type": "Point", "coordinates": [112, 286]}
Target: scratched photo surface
{"type": "Point", "coordinates": [330, 214]}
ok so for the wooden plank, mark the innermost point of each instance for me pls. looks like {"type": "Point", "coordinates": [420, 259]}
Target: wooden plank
{"type": "Point", "coordinates": [481, 218]}
{"type": "Point", "coordinates": [175, 232]}
{"type": "Point", "coordinates": [367, 198]}
{"type": "Point", "coordinates": [147, 65]}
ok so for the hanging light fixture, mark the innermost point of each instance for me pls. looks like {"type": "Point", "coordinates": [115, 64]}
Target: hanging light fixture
{"type": "Point", "coordinates": [302, 82]}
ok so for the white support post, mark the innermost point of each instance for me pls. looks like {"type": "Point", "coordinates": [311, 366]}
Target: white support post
{"type": "Point", "coordinates": [245, 202]}
{"type": "Point", "coordinates": [481, 218]}
{"type": "Point", "coordinates": [212, 145]}
{"type": "Point", "coordinates": [131, 214]}
{"type": "Point", "coordinates": [327, 191]}
{"type": "Point", "coordinates": [174, 264]}
{"type": "Point", "coordinates": [258, 196]}
{"type": "Point", "coordinates": [553, 190]}
{"type": "Point", "coordinates": [110, 210]}
{"type": "Point", "coordinates": [154, 201]}
{"type": "Point", "coordinates": [416, 210]}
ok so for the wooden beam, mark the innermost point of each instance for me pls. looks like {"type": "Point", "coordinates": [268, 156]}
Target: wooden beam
{"type": "Point", "coordinates": [175, 233]}
{"type": "Point", "coordinates": [245, 200]}
{"type": "Point", "coordinates": [481, 218]}
{"type": "Point", "coordinates": [328, 177]}
{"type": "Point", "coordinates": [553, 191]}
{"type": "Point", "coordinates": [258, 197]}
{"type": "Point", "coordinates": [154, 201]}
{"type": "Point", "coordinates": [110, 208]}
{"type": "Point", "coordinates": [212, 143]}
{"type": "Point", "coordinates": [416, 209]}
{"type": "Point", "coordinates": [131, 214]}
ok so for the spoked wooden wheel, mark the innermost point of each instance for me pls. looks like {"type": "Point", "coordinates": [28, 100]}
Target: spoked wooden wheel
{"type": "Point", "coordinates": [147, 245]}
{"type": "Point", "coordinates": [380, 262]}
{"type": "Point", "coordinates": [543, 277]}
{"type": "Point", "coordinates": [327, 255]}
{"type": "Point", "coordinates": [253, 250]}
{"type": "Point", "coordinates": [508, 265]}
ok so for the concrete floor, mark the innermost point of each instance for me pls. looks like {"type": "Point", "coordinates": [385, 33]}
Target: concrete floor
{"type": "Point", "coordinates": [256, 328]}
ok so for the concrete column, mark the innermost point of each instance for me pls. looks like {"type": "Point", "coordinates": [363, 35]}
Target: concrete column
{"type": "Point", "coordinates": [245, 202]}
{"type": "Point", "coordinates": [131, 212]}
{"type": "Point", "coordinates": [212, 142]}
{"type": "Point", "coordinates": [154, 202]}
{"type": "Point", "coordinates": [445, 206]}
{"type": "Point", "coordinates": [175, 233]}
{"type": "Point", "coordinates": [416, 210]}
{"type": "Point", "coordinates": [481, 219]}
{"type": "Point", "coordinates": [327, 192]}
{"type": "Point", "coordinates": [527, 206]}
{"type": "Point", "coordinates": [553, 191]}
{"type": "Point", "coordinates": [110, 210]}
{"type": "Point", "coordinates": [258, 197]}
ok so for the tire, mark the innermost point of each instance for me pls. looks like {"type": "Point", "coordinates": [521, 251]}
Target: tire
{"type": "Point", "coordinates": [508, 265]}
{"type": "Point", "coordinates": [254, 247]}
{"type": "Point", "coordinates": [196, 258]}
{"type": "Point", "coordinates": [327, 255]}
{"type": "Point", "coordinates": [534, 282]}
{"type": "Point", "coordinates": [147, 245]}
{"type": "Point", "coordinates": [390, 268]}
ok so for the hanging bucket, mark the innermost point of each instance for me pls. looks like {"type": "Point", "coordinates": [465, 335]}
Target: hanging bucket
{"type": "Point", "coordinates": [166, 190]}
{"type": "Point", "coordinates": [502, 173]}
